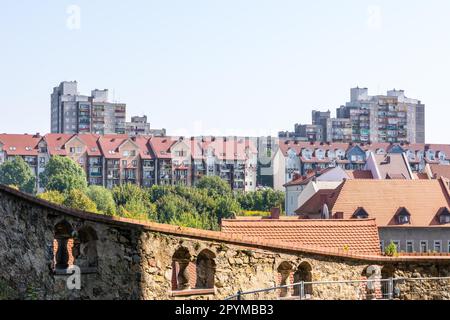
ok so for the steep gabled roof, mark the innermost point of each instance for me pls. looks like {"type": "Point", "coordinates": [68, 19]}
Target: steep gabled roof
{"type": "Point", "coordinates": [109, 144]}
{"type": "Point", "coordinates": [145, 150]}
{"type": "Point", "coordinates": [382, 199]}
{"type": "Point", "coordinates": [161, 146]}
{"type": "Point", "coordinates": [20, 144]}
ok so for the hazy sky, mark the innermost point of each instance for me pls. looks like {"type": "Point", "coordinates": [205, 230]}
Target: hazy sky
{"type": "Point", "coordinates": [250, 67]}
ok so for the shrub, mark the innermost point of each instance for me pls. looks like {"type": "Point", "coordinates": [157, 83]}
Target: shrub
{"type": "Point", "coordinates": [391, 250]}
{"type": "Point", "coordinates": [103, 199]}
{"type": "Point", "coordinates": [52, 196]}
{"type": "Point", "coordinates": [76, 199]}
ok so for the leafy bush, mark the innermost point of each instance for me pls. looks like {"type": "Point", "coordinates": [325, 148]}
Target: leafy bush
{"type": "Point", "coordinates": [215, 186]}
{"type": "Point", "coordinates": [391, 250]}
{"type": "Point", "coordinates": [248, 213]}
{"type": "Point", "coordinates": [52, 196]}
{"type": "Point", "coordinates": [103, 199]}
{"type": "Point", "coordinates": [76, 199]}
{"type": "Point", "coordinates": [261, 200]}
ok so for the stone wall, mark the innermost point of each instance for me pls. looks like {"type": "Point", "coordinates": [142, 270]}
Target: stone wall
{"type": "Point", "coordinates": [137, 261]}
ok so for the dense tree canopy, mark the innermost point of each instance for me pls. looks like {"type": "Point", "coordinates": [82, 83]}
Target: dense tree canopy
{"type": "Point", "coordinates": [63, 174]}
{"type": "Point", "coordinates": [261, 200]}
{"type": "Point", "coordinates": [197, 207]}
{"type": "Point", "coordinates": [17, 173]}
{"type": "Point", "coordinates": [103, 199]}
{"type": "Point", "coordinates": [215, 186]}
{"type": "Point", "coordinates": [77, 199]}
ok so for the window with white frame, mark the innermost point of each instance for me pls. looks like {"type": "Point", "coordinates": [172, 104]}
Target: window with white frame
{"type": "Point", "coordinates": [409, 246]}
{"type": "Point", "coordinates": [423, 246]}
{"type": "Point", "coordinates": [437, 246]}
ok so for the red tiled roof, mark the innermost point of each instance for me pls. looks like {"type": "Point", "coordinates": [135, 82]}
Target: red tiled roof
{"type": "Point", "coordinates": [315, 204]}
{"type": "Point", "coordinates": [91, 141]}
{"type": "Point", "coordinates": [161, 146]}
{"type": "Point", "coordinates": [145, 151]}
{"type": "Point", "coordinates": [361, 236]}
{"type": "Point", "coordinates": [440, 170]}
{"type": "Point", "coordinates": [359, 174]}
{"type": "Point", "coordinates": [109, 144]}
{"type": "Point", "coordinates": [20, 144]}
{"type": "Point", "coordinates": [56, 142]}
{"type": "Point", "coordinates": [420, 176]}
{"type": "Point", "coordinates": [392, 166]}
{"type": "Point", "coordinates": [381, 199]}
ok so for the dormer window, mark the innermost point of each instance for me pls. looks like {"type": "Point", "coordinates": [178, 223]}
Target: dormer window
{"type": "Point", "coordinates": [307, 153]}
{"type": "Point", "coordinates": [403, 216]}
{"type": "Point", "coordinates": [320, 154]}
{"type": "Point", "coordinates": [444, 216]}
{"type": "Point", "coordinates": [28, 148]}
{"type": "Point", "coordinates": [361, 213]}
{"type": "Point", "coordinates": [12, 148]}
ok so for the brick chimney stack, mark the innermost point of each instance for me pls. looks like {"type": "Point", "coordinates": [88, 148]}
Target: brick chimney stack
{"type": "Point", "coordinates": [275, 213]}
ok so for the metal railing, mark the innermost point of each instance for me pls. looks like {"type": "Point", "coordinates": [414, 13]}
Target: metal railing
{"type": "Point", "coordinates": [436, 288]}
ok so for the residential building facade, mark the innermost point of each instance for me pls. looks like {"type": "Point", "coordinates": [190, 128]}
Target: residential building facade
{"type": "Point", "coordinates": [390, 118]}
{"type": "Point", "coordinates": [73, 113]}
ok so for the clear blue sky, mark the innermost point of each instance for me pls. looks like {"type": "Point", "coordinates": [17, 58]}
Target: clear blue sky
{"type": "Point", "coordinates": [224, 67]}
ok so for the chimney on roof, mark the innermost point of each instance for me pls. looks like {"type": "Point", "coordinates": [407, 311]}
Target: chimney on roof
{"type": "Point", "coordinates": [275, 213]}
{"type": "Point", "coordinates": [339, 215]}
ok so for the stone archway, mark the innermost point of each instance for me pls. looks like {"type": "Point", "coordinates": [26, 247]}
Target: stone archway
{"type": "Point", "coordinates": [205, 270]}
{"type": "Point", "coordinates": [303, 274]}
{"type": "Point", "coordinates": [181, 259]}
{"type": "Point", "coordinates": [85, 248]}
{"type": "Point", "coordinates": [285, 270]}
{"type": "Point", "coordinates": [62, 245]}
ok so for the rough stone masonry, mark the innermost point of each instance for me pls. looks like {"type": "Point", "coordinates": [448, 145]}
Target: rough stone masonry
{"type": "Point", "coordinates": [123, 259]}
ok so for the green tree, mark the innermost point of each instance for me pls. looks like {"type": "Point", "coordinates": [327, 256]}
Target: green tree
{"type": "Point", "coordinates": [63, 174]}
{"type": "Point", "coordinates": [170, 207]}
{"type": "Point", "coordinates": [261, 200]}
{"type": "Point", "coordinates": [191, 220]}
{"type": "Point", "coordinates": [133, 202]}
{"type": "Point", "coordinates": [135, 209]}
{"type": "Point", "coordinates": [17, 173]}
{"type": "Point", "coordinates": [227, 207]}
{"type": "Point", "coordinates": [215, 186]}
{"type": "Point", "coordinates": [52, 196]}
{"type": "Point", "coordinates": [77, 199]}
{"type": "Point", "coordinates": [103, 199]}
